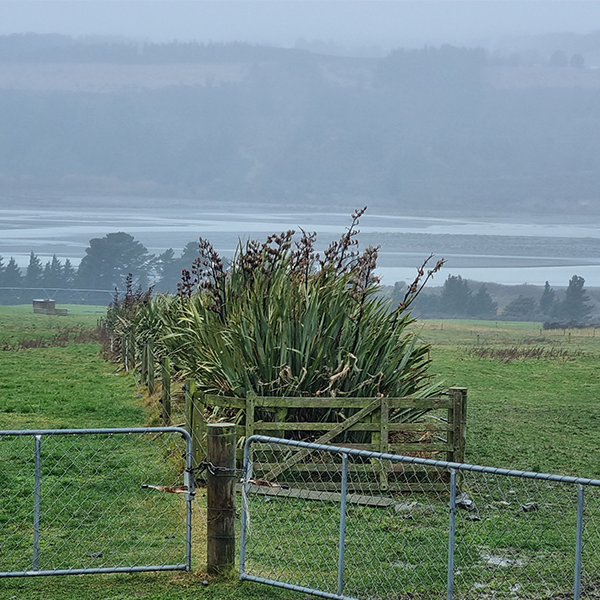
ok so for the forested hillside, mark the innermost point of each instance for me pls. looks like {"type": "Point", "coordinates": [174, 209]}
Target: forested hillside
{"type": "Point", "coordinates": [441, 128]}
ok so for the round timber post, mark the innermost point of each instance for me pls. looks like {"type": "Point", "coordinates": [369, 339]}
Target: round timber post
{"type": "Point", "coordinates": [220, 498]}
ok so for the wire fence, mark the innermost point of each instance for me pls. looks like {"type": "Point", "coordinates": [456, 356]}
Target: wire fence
{"type": "Point", "coordinates": [402, 527]}
{"type": "Point", "coordinates": [95, 500]}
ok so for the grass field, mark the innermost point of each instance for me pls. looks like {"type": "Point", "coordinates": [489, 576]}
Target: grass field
{"type": "Point", "coordinates": [533, 404]}
{"type": "Point", "coordinates": [52, 376]}
{"type": "Point", "coordinates": [525, 412]}
{"type": "Point", "coordinates": [400, 550]}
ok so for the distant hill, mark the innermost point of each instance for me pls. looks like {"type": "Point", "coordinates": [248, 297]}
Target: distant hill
{"type": "Point", "coordinates": [439, 128]}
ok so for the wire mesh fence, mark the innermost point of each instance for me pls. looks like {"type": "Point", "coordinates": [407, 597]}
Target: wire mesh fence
{"type": "Point", "coordinates": [86, 501]}
{"type": "Point", "coordinates": [354, 524]}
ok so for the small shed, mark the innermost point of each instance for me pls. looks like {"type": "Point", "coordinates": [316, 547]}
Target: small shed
{"type": "Point", "coordinates": [47, 307]}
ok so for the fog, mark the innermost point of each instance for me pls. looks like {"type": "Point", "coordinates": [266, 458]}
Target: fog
{"type": "Point", "coordinates": [351, 23]}
{"type": "Point", "coordinates": [471, 129]}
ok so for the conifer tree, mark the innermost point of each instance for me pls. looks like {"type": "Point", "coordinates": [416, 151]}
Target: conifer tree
{"type": "Point", "coordinates": [109, 261]}
{"type": "Point", "coordinates": [169, 275]}
{"type": "Point", "coordinates": [482, 306]}
{"type": "Point", "coordinates": [523, 308]}
{"type": "Point", "coordinates": [548, 300]}
{"type": "Point", "coordinates": [34, 274]}
{"type": "Point", "coordinates": [456, 297]}
{"type": "Point", "coordinates": [575, 306]}
{"type": "Point", "coordinates": [68, 274]}
{"type": "Point", "coordinates": [12, 274]}
{"type": "Point", "coordinates": [53, 273]}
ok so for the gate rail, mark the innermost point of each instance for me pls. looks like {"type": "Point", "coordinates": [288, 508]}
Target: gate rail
{"type": "Point", "coordinates": [63, 488]}
{"type": "Point", "coordinates": [491, 517]}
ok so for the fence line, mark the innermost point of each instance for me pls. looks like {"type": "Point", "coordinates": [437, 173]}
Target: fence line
{"type": "Point", "coordinates": [95, 501]}
{"type": "Point", "coordinates": [63, 295]}
{"type": "Point", "coordinates": [491, 532]}
{"type": "Point", "coordinates": [406, 425]}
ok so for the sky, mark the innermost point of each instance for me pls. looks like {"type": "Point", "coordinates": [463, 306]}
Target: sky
{"type": "Point", "coordinates": [386, 23]}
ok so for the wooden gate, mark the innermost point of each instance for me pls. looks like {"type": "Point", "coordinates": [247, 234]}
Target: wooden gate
{"type": "Point", "coordinates": [363, 423]}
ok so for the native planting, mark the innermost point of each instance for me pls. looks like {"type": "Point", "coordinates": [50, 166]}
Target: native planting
{"type": "Point", "coordinates": [285, 320]}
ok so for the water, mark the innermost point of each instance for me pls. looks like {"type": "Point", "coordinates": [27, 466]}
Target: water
{"type": "Point", "coordinates": [495, 250]}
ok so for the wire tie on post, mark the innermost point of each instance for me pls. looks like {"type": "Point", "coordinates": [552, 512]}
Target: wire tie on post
{"type": "Point", "coordinates": [214, 470]}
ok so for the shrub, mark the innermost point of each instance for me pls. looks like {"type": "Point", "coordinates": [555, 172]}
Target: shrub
{"type": "Point", "coordinates": [285, 321]}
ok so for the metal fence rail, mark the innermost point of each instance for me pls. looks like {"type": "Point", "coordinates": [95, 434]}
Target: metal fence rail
{"type": "Point", "coordinates": [481, 533]}
{"type": "Point", "coordinates": [76, 501]}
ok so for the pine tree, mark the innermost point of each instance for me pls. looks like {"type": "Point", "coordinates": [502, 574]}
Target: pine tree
{"type": "Point", "coordinates": [53, 273]}
{"type": "Point", "coordinates": [34, 274]}
{"type": "Point", "coordinates": [188, 254]}
{"type": "Point", "coordinates": [68, 274]}
{"type": "Point", "coordinates": [548, 300]}
{"type": "Point", "coordinates": [575, 306]}
{"type": "Point", "coordinates": [456, 297]}
{"type": "Point", "coordinates": [522, 308]}
{"type": "Point", "coordinates": [109, 260]}
{"type": "Point", "coordinates": [12, 274]}
{"type": "Point", "coordinates": [168, 273]}
{"type": "Point", "coordinates": [170, 268]}
{"type": "Point", "coordinates": [482, 306]}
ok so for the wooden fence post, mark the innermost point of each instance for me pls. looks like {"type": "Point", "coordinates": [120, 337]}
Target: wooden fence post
{"type": "Point", "coordinates": [451, 455]}
{"type": "Point", "coordinates": [165, 397]}
{"type": "Point", "coordinates": [457, 418]}
{"type": "Point", "coordinates": [195, 422]}
{"type": "Point", "coordinates": [131, 352]}
{"type": "Point", "coordinates": [380, 439]}
{"type": "Point", "coordinates": [148, 368]}
{"type": "Point", "coordinates": [463, 422]}
{"type": "Point", "coordinates": [189, 390]}
{"type": "Point", "coordinates": [250, 415]}
{"type": "Point", "coordinates": [125, 352]}
{"type": "Point", "coordinates": [143, 367]}
{"type": "Point", "coordinates": [384, 440]}
{"type": "Point", "coordinates": [220, 498]}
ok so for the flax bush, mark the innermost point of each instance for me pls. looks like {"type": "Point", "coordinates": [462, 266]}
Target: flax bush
{"type": "Point", "coordinates": [283, 320]}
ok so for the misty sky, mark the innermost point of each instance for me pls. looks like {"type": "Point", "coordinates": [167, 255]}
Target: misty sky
{"type": "Point", "coordinates": [351, 23]}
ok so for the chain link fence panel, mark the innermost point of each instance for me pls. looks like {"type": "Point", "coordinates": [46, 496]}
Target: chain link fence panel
{"type": "Point", "coordinates": [354, 524]}
{"type": "Point", "coordinates": [90, 501]}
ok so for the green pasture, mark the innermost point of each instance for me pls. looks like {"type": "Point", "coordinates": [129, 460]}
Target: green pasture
{"type": "Point", "coordinates": [52, 376]}
{"type": "Point", "coordinates": [538, 414]}
{"type": "Point", "coordinates": [533, 404]}
{"type": "Point", "coordinates": [58, 383]}
{"type": "Point", "coordinates": [20, 324]}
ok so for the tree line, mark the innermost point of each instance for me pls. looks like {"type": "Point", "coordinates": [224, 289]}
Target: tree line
{"type": "Point", "coordinates": [118, 261]}
{"type": "Point", "coordinates": [106, 267]}
{"type": "Point", "coordinates": [57, 48]}
{"type": "Point", "coordinates": [458, 300]}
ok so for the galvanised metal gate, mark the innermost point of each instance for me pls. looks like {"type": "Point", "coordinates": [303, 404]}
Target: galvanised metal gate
{"type": "Point", "coordinates": [404, 527]}
{"type": "Point", "coordinates": [76, 501]}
